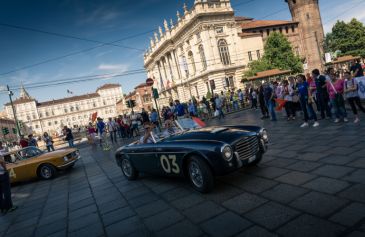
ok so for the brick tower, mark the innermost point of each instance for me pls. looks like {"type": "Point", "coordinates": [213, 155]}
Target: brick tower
{"type": "Point", "coordinates": [307, 13]}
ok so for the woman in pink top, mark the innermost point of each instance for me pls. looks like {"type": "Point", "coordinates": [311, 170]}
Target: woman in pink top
{"type": "Point", "coordinates": [335, 88]}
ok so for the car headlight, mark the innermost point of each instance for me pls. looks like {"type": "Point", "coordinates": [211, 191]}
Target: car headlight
{"type": "Point", "coordinates": [227, 152]}
{"type": "Point", "coordinates": [65, 158]}
{"type": "Point", "coordinates": [264, 135]}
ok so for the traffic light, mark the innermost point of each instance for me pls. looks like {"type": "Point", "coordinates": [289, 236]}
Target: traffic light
{"type": "Point", "coordinates": [155, 93]}
{"type": "Point", "coordinates": [5, 131]}
{"type": "Point", "coordinates": [130, 103]}
{"type": "Point", "coordinates": [14, 130]}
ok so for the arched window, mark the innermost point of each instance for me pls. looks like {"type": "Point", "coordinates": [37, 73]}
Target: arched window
{"type": "Point", "coordinates": [192, 62]}
{"type": "Point", "coordinates": [202, 57]}
{"type": "Point", "coordinates": [224, 52]}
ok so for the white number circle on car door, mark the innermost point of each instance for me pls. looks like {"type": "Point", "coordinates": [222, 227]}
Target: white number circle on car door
{"type": "Point", "coordinates": [169, 164]}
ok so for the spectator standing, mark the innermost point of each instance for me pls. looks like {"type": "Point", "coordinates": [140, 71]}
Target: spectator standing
{"type": "Point", "coordinates": [191, 108]}
{"type": "Point", "coordinates": [32, 141]}
{"type": "Point", "coordinates": [352, 95]}
{"type": "Point", "coordinates": [254, 99]}
{"type": "Point", "coordinates": [356, 69]}
{"type": "Point", "coordinates": [263, 107]}
{"type": "Point", "coordinates": [288, 97]}
{"type": "Point", "coordinates": [335, 89]}
{"type": "Point", "coordinates": [145, 117]}
{"type": "Point", "coordinates": [306, 101]}
{"type": "Point", "coordinates": [218, 105]}
{"type": "Point", "coordinates": [241, 98]}
{"type": "Point", "coordinates": [6, 203]}
{"type": "Point", "coordinates": [112, 129]}
{"type": "Point", "coordinates": [91, 133]}
{"type": "Point", "coordinates": [23, 142]}
{"type": "Point", "coordinates": [180, 111]}
{"type": "Point", "coordinates": [48, 141]}
{"type": "Point", "coordinates": [321, 93]}
{"type": "Point", "coordinates": [269, 96]}
{"type": "Point", "coordinates": [69, 136]}
{"type": "Point", "coordinates": [134, 124]}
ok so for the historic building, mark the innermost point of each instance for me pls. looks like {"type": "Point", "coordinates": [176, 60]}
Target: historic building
{"type": "Point", "coordinates": [204, 51]}
{"type": "Point", "coordinates": [208, 48]}
{"type": "Point", "coordinates": [73, 111]}
{"type": "Point", "coordinates": [142, 95]}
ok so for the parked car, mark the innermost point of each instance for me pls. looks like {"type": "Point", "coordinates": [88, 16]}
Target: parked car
{"type": "Point", "coordinates": [196, 153]}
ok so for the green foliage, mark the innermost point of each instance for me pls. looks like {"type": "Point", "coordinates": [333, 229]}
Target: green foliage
{"type": "Point", "coordinates": [349, 38]}
{"type": "Point", "coordinates": [278, 55]}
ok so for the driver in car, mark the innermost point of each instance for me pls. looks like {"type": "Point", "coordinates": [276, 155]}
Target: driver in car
{"type": "Point", "coordinates": [147, 137]}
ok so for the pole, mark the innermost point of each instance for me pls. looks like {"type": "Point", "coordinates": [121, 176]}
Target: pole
{"type": "Point", "coordinates": [12, 107]}
{"type": "Point", "coordinates": [158, 114]}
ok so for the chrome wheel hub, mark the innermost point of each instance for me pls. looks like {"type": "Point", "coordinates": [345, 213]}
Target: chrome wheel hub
{"type": "Point", "coordinates": [46, 172]}
{"type": "Point", "coordinates": [127, 168]}
{"type": "Point", "coordinates": [196, 174]}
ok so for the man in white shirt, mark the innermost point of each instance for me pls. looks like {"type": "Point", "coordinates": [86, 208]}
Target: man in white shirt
{"type": "Point", "coordinates": [6, 203]}
{"type": "Point", "coordinates": [112, 128]}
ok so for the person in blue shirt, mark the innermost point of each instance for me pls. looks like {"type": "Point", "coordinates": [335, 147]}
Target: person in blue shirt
{"type": "Point", "coordinates": [306, 101]}
{"type": "Point", "coordinates": [321, 93]}
{"type": "Point", "coordinates": [269, 95]}
{"type": "Point", "coordinates": [100, 125]}
{"type": "Point", "coordinates": [180, 111]}
{"type": "Point", "coordinates": [191, 108]}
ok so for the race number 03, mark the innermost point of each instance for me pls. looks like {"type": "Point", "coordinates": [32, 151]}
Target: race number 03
{"type": "Point", "coordinates": [169, 164]}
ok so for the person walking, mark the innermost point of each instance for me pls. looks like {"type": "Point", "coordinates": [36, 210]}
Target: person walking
{"type": "Point", "coordinates": [48, 141]}
{"type": "Point", "coordinates": [269, 95]}
{"type": "Point", "coordinates": [264, 110]}
{"type": "Point", "coordinates": [352, 95]}
{"type": "Point", "coordinates": [145, 117]}
{"type": "Point", "coordinates": [91, 133]}
{"type": "Point", "coordinates": [100, 126]}
{"type": "Point", "coordinates": [306, 101]}
{"type": "Point", "coordinates": [254, 99]}
{"type": "Point", "coordinates": [335, 89]}
{"type": "Point", "coordinates": [112, 129]}
{"type": "Point", "coordinates": [6, 204]}
{"type": "Point", "coordinates": [218, 105]}
{"type": "Point", "coordinates": [69, 136]}
{"type": "Point", "coordinates": [288, 97]}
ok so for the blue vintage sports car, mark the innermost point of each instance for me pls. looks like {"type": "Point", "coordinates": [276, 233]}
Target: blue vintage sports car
{"type": "Point", "coordinates": [194, 152]}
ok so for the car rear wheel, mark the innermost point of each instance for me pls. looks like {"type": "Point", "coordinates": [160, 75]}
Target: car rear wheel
{"type": "Point", "coordinates": [200, 175]}
{"type": "Point", "coordinates": [47, 171]}
{"type": "Point", "coordinates": [128, 169]}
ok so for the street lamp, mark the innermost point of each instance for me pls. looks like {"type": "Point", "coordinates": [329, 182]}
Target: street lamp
{"type": "Point", "coordinates": [12, 107]}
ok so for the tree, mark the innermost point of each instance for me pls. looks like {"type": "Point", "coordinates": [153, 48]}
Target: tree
{"type": "Point", "coordinates": [348, 38]}
{"type": "Point", "coordinates": [278, 54]}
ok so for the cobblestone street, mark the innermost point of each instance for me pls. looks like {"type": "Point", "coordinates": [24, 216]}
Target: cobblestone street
{"type": "Point", "coordinates": [311, 182]}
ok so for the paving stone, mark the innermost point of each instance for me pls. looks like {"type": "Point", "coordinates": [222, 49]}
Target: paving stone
{"type": "Point", "coordinates": [327, 185]}
{"type": "Point", "coordinates": [124, 227]}
{"type": "Point", "coordinates": [319, 149]}
{"type": "Point", "coordinates": [311, 156]}
{"type": "Point", "coordinates": [284, 193]}
{"type": "Point", "coordinates": [117, 215]}
{"type": "Point", "coordinates": [318, 204]}
{"type": "Point", "coordinates": [175, 194]}
{"type": "Point", "coordinates": [203, 211]}
{"type": "Point", "coordinates": [355, 193]}
{"type": "Point", "coordinates": [338, 160]}
{"type": "Point", "coordinates": [254, 184]}
{"type": "Point", "coordinates": [26, 232]}
{"type": "Point", "coordinates": [357, 163]}
{"type": "Point", "coordinates": [23, 224]}
{"type": "Point", "coordinates": [142, 200]}
{"type": "Point", "coordinates": [256, 231]}
{"type": "Point", "coordinates": [163, 220]}
{"type": "Point", "coordinates": [111, 206]}
{"type": "Point", "coordinates": [76, 224]}
{"type": "Point", "coordinates": [48, 229]}
{"type": "Point", "coordinates": [342, 150]}
{"type": "Point", "coordinates": [244, 203]}
{"type": "Point", "coordinates": [151, 208]}
{"type": "Point", "coordinates": [304, 166]}
{"type": "Point", "coordinates": [281, 162]}
{"type": "Point", "coordinates": [295, 178]}
{"type": "Point", "coordinates": [187, 201]}
{"type": "Point", "coordinates": [350, 215]}
{"type": "Point", "coordinates": [62, 233]}
{"type": "Point", "coordinates": [226, 224]}
{"type": "Point", "coordinates": [94, 230]}
{"type": "Point", "coordinates": [269, 172]}
{"type": "Point", "coordinates": [307, 225]}
{"type": "Point", "coordinates": [333, 171]}
{"type": "Point", "coordinates": [356, 234]}
{"type": "Point", "coordinates": [271, 215]}
{"type": "Point", "coordinates": [181, 229]}
{"type": "Point", "coordinates": [83, 212]}
{"type": "Point", "coordinates": [358, 176]}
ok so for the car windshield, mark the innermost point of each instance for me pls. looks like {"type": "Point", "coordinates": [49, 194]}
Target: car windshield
{"type": "Point", "coordinates": [187, 124]}
{"type": "Point", "coordinates": [29, 152]}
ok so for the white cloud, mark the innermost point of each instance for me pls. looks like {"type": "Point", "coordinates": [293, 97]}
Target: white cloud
{"type": "Point", "coordinates": [113, 67]}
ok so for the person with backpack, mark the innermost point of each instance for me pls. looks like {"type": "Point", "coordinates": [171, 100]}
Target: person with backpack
{"type": "Point", "coordinates": [351, 88]}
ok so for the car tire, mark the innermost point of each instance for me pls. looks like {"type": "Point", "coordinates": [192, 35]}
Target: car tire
{"type": "Point", "coordinates": [47, 171]}
{"type": "Point", "coordinates": [200, 175]}
{"type": "Point", "coordinates": [256, 160]}
{"type": "Point", "coordinates": [128, 169]}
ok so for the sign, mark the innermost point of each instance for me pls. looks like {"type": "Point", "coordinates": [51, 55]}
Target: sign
{"type": "Point", "coordinates": [361, 82]}
{"type": "Point", "coordinates": [149, 81]}
{"type": "Point", "coordinates": [328, 57]}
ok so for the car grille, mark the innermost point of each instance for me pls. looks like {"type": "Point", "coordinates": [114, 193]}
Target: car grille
{"type": "Point", "coordinates": [72, 155]}
{"type": "Point", "coordinates": [247, 147]}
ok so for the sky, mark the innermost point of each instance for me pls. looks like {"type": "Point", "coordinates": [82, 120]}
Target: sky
{"type": "Point", "coordinates": [35, 56]}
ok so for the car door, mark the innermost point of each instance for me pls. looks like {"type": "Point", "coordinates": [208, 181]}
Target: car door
{"type": "Point", "coordinates": [170, 158]}
{"type": "Point", "coordinates": [143, 157]}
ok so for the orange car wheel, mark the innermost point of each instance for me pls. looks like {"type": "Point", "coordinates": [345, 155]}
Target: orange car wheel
{"type": "Point", "coordinates": [46, 171]}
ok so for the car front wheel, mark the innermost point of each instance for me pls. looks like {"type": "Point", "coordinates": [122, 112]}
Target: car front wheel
{"type": "Point", "coordinates": [200, 175]}
{"type": "Point", "coordinates": [47, 171]}
{"type": "Point", "coordinates": [128, 169]}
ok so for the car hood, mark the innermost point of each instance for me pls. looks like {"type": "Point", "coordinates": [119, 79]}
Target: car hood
{"type": "Point", "coordinates": [57, 153]}
{"type": "Point", "coordinates": [217, 133]}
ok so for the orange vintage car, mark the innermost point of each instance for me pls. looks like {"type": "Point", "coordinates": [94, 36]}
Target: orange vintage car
{"type": "Point", "coordinates": [31, 162]}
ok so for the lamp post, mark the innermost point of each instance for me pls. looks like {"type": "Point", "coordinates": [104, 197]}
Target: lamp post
{"type": "Point", "coordinates": [12, 107]}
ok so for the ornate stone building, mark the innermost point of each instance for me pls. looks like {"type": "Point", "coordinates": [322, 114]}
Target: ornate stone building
{"type": "Point", "coordinates": [73, 111]}
{"type": "Point", "coordinates": [202, 52]}
{"type": "Point", "coordinates": [208, 48]}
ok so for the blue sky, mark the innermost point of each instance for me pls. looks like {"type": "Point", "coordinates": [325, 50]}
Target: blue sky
{"type": "Point", "coordinates": [105, 21]}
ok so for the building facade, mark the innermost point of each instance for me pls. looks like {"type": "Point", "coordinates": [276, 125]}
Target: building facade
{"type": "Point", "coordinates": [142, 95]}
{"type": "Point", "coordinates": [208, 48]}
{"type": "Point", "coordinates": [51, 116]}
{"type": "Point", "coordinates": [202, 52]}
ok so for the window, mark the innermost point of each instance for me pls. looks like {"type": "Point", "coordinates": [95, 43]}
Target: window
{"type": "Point", "coordinates": [292, 29]}
{"type": "Point", "coordinates": [268, 32]}
{"type": "Point", "coordinates": [212, 84]}
{"type": "Point", "coordinates": [224, 52]}
{"type": "Point", "coordinates": [227, 82]}
{"type": "Point", "coordinates": [249, 56]}
{"type": "Point", "coordinates": [286, 29]}
{"type": "Point", "coordinates": [274, 30]}
{"type": "Point", "coordinates": [47, 114]}
{"type": "Point", "coordinates": [258, 54]}
{"type": "Point", "coordinates": [202, 57]}
{"type": "Point", "coordinates": [219, 30]}
{"type": "Point", "coordinates": [40, 115]}
{"type": "Point", "coordinates": [192, 62]}
{"type": "Point", "coordinates": [231, 82]}
{"type": "Point", "coordinates": [65, 110]}
{"type": "Point", "coordinates": [49, 124]}
{"type": "Point", "coordinates": [56, 122]}
{"type": "Point", "coordinates": [36, 126]}
{"type": "Point", "coordinates": [94, 105]}
{"type": "Point", "coordinates": [281, 30]}
{"type": "Point", "coordinates": [207, 84]}
{"type": "Point", "coordinates": [28, 117]}
{"type": "Point", "coordinates": [184, 65]}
